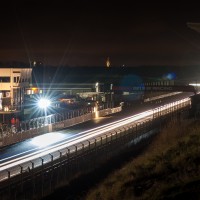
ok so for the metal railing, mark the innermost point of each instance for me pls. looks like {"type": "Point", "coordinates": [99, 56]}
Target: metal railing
{"type": "Point", "coordinates": [36, 126]}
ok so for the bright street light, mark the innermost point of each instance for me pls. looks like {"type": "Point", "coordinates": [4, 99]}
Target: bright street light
{"type": "Point", "coordinates": [44, 103]}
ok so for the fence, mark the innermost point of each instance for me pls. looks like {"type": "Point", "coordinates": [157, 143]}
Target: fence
{"type": "Point", "coordinates": [50, 123]}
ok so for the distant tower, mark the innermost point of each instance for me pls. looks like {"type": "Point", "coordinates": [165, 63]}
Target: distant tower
{"type": "Point", "coordinates": [108, 62]}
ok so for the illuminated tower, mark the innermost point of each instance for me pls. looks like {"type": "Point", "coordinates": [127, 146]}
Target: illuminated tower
{"type": "Point", "coordinates": [108, 62]}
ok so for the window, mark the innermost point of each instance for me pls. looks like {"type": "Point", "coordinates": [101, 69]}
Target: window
{"type": "Point", "coordinates": [5, 79]}
{"type": "Point", "coordinates": [16, 79]}
{"type": "Point", "coordinates": [6, 93]}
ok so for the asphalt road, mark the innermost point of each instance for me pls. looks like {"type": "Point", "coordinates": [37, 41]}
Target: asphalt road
{"type": "Point", "coordinates": [49, 139]}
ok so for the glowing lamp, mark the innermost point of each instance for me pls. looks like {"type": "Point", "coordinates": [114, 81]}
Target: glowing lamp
{"type": "Point", "coordinates": [44, 103]}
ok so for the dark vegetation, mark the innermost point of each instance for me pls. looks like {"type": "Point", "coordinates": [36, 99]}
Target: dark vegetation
{"type": "Point", "coordinates": [168, 169]}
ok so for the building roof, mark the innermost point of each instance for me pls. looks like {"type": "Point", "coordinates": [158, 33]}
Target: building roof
{"type": "Point", "coordinates": [14, 65]}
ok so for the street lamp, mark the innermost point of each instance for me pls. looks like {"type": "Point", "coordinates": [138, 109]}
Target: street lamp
{"type": "Point", "coordinates": [44, 103]}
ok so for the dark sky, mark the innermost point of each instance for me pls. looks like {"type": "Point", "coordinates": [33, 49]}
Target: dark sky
{"type": "Point", "coordinates": [85, 33]}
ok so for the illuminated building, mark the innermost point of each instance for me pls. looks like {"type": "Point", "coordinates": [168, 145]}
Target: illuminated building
{"type": "Point", "coordinates": [13, 82]}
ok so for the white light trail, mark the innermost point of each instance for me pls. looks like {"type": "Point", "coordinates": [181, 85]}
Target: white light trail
{"type": "Point", "coordinates": [82, 137]}
{"type": "Point", "coordinates": [86, 135]}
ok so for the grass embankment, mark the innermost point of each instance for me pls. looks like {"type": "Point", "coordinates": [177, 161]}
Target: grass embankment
{"type": "Point", "coordinates": [168, 169]}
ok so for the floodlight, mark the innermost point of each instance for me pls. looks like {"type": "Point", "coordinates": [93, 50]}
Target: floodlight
{"type": "Point", "coordinates": [44, 103]}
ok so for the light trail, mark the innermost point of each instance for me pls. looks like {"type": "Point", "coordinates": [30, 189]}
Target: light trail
{"type": "Point", "coordinates": [84, 133]}
{"type": "Point", "coordinates": [84, 136]}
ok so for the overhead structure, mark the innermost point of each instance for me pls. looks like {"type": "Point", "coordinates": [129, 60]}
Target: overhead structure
{"type": "Point", "coordinates": [143, 88]}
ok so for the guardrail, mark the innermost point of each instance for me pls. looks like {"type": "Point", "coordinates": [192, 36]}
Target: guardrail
{"type": "Point", "coordinates": [161, 96]}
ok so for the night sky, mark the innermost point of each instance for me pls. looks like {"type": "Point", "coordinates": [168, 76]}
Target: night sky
{"type": "Point", "coordinates": [85, 33]}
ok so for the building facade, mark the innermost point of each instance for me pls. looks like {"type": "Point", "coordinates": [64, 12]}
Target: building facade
{"type": "Point", "coordinates": [13, 82]}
